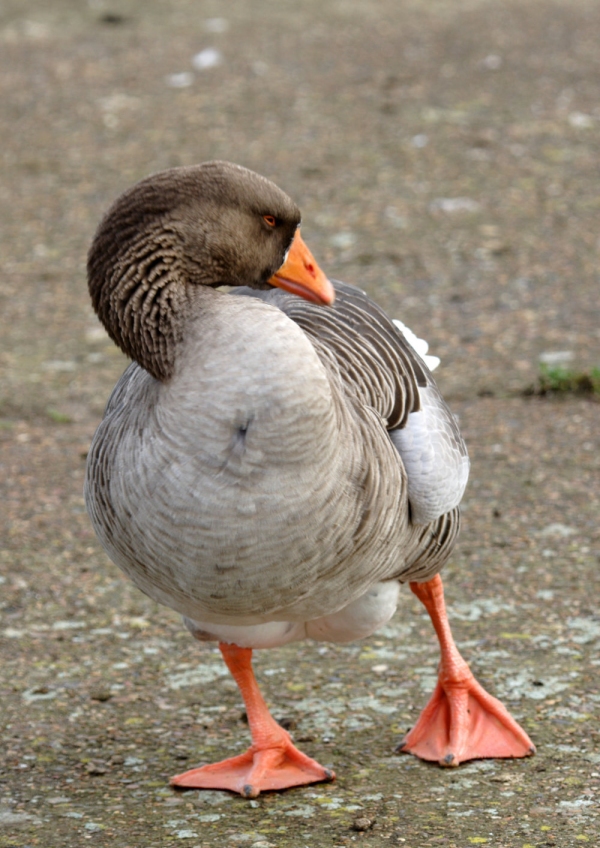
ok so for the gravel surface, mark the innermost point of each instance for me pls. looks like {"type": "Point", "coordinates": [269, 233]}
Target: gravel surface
{"type": "Point", "coordinates": [445, 156]}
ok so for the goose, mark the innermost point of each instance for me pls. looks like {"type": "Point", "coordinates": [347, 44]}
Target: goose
{"type": "Point", "coordinates": [276, 460]}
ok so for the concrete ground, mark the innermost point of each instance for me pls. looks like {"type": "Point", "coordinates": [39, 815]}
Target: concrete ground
{"type": "Point", "coordinates": [445, 156]}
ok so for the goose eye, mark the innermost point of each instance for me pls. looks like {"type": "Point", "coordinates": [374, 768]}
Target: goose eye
{"type": "Point", "coordinates": [270, 220]}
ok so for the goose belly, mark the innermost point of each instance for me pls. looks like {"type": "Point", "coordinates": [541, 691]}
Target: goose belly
{"type": "Point", "coordinates": [357, 620]}
{"type": "Point", "coordinates": [239, 528]}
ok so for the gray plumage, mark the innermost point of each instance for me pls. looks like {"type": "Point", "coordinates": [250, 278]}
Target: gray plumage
{"type": "Point", "coordinates": [251, 467]}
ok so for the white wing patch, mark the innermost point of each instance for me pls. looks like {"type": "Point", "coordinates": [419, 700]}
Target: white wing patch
{"type": "Point", "coordinates": [432, 449]}
{"type": "Point", "coordinates": [434, 456]}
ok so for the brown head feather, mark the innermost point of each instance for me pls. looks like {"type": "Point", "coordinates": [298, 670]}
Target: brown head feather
{"type": "Point", "coordinates": [172, 232]}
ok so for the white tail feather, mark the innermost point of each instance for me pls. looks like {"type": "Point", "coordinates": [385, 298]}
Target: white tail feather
{"type": "Point", "coordinates": [419, 345]}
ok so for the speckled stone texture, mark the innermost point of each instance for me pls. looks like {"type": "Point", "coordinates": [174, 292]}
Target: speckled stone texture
{"type": "Point", "coordinates": [445, 157]}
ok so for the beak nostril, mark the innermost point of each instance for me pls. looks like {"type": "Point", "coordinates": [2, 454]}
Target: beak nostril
{"type": "Point", "coordinates": [310, 268]}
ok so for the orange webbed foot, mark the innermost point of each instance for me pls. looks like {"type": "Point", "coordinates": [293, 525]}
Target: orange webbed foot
{"type": "Point", "coordinates": [254, 772]}
{"type": "Point", "coordinates": [272, 762]}
{"type": "Point", "coordinates": [463, 722]}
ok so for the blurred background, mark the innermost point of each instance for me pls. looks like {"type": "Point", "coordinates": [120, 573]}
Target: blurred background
{"type": "Point", "coordinates": [445, 157]}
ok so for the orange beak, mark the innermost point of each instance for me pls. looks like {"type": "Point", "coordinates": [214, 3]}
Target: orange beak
{"type": "Point", "coordinates": [301, 275]}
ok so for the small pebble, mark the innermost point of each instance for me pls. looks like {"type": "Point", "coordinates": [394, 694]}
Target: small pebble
{"type": "Point", "coordinates": [580, 120]}
{"type": "Point", "coordinates": [96, 768]}
{"type": "Point", "coordinates": [493, 62]}
{"type": "Point", "coordinates": [454, 204]}
{"type": "Point", "coordinates": [100, 695]}
{"type": "Point", "coordinates": [93, 827]}
{"type": "Point", "coordinates": [362, 823]}
{"type": "Point", "coordinates": [208, 58]}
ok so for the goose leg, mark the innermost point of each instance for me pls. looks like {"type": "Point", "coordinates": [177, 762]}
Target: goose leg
{"type": "Point", "coordinates": [461, 721]}
{"type": "Point", "coordinates": [271, 762]}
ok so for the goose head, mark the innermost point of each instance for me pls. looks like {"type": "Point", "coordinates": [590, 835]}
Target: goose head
{"type": "Point", "coordinates": [176, 234]}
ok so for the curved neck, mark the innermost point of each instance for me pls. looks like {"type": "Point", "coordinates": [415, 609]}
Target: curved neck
{"type": "Point", "coordinates": [143, 299]}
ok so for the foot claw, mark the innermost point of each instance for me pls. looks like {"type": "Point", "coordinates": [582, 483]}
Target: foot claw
{"type": "Point", "coordinates": [248, 791]}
